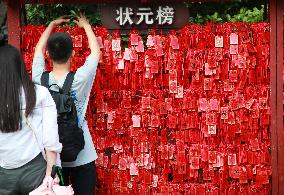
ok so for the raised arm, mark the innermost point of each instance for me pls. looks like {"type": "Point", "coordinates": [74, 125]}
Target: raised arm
{"type": "Point", "coordinates": [82, 22]}
{"type": "Point", "coordinates": [38, 61]}
{"type": "Point", "coordinates": [85, 75]}
{"type": "Point", "coordinates": [41, 45]}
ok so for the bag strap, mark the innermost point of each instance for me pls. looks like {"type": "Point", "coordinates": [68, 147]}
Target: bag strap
{"type": "Point", "coordinates": [59, 89]}
{"type": "Point", "coordinates": [68, 83]}
{"type": "Point", "coordinates": [45, 79]}
{"type": "Point", "coordinates": [31, 127]}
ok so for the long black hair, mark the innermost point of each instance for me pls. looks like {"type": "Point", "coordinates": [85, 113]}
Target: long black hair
{"type": "Point", "coordinates": [14, 79]}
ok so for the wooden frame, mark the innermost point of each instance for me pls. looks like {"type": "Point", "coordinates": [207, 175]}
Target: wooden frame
{"type": "Point", "coordinates": [276, 82]}
{"type": "Point", "coordinates": [273, 125]}
{"type": "Point", "coordinates": [279, 94]}
{"type": "Point", "coordinates": [276, 10]}
{"type": "Point", "coordinates": [113, 1]}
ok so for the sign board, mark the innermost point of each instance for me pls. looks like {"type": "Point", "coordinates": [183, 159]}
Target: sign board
{"type": "Point", "coordinates": [125, 17]}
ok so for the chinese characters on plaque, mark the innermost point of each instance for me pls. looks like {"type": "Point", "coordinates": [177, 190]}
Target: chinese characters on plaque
{"type": "Point", "coordinates": [164, 15]}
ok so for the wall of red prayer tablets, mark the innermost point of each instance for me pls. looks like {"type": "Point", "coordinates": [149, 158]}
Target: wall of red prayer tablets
{"type": "Point", "coordinates": [183, 113]}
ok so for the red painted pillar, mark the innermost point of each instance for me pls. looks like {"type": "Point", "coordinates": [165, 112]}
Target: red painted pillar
{"type": "Point", "coordinates": [279, 91]}
{"type": "Point", "coordinates": [14, 22]}
{"type": "Point", "coordinates": [276, 82]}
{"type": "Point", "coordinates": [273, 97]}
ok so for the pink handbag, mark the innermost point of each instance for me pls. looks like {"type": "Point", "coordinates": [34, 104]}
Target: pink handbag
{"type": "Point", "coordinates": [50, 185]}
{"type": "Point", "coordinates": [54, 189]}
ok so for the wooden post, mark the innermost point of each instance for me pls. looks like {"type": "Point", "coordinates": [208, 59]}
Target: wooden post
{"type": "Point", "coordinates": [276, 82]}
{"type": "Point", "coordinates": [273, 98]}
{"type": "Point", "coordinates": [14, 23]}
{"type": "Point", "coordinates": [279, 92]}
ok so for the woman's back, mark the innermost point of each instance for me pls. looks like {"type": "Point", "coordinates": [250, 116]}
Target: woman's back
{"type": "Point", "coordinates": [29, 141]}
{"type": "Point", "coordinates": [20, 147]}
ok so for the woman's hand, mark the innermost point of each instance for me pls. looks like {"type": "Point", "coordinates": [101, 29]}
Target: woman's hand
{"type": "Point", "coordinates": [48, 182]}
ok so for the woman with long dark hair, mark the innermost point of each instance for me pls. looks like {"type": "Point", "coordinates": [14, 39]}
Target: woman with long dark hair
{"type": "Point", "coordinates": [28, 127]}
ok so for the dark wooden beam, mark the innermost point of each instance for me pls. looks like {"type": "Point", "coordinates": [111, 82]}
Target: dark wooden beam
{"type": "Point", "coordinates": [265, 11]}
{"type": "Point", "coordinates": [14, 23]}
{"type": "Point", "coordinates": [115, 1]}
